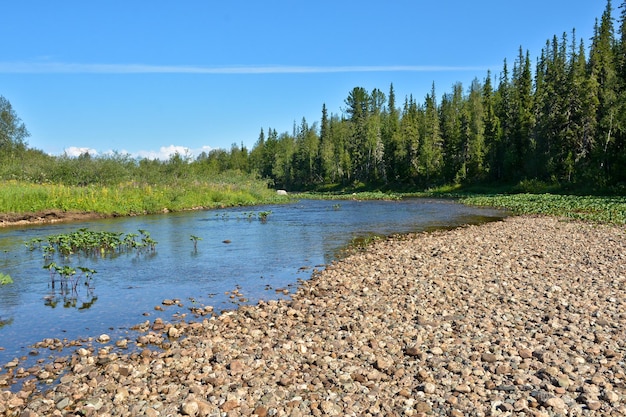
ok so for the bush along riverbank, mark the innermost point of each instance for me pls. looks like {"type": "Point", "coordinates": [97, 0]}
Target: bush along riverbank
{"type": "Point", "coordinates": [26, 202]}
{"type": "Point", "coordinates": [524, 316]}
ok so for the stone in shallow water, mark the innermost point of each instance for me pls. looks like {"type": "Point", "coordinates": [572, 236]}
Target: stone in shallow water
{"type": "Point", "coordinates": [104, 338]}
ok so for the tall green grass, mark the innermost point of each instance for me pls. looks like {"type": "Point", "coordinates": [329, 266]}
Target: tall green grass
{"type": "Point", "coordinates": [132, 198]}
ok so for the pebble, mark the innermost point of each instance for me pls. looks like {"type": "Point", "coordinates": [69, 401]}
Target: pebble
{"type": "Point", "coordinates": [522, 316]}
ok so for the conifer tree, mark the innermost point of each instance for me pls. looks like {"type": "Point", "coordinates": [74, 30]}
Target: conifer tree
{"type": "Point", "coordinates": [451, 118]}
{"type": "Point", "coordinates": [358, 103]}
{"type": "Point", "coordinates": [475, 132]}
{"type": "Point", "coordinates": [521, 151]}
{"type": "Point", "coordinates": [492, 129]}
{"type": "Point", "coordinates": [500, 154]}
{"type": "Point", "coordinates": [551, 110]}
{"type": "Point", "coordinates": [409, 142]}
{"type": "Point", "coordinates": [390, 136]}
{"type": "Point", "coordinates": [256, 154]}
{"type": "Point", "coordinates": [430, 150]}
{"type": "Point", "coordinates": [620, 136]}
{"type": "Point", "coordinates": [326, 148]}
{"type": "Point", "coordinates": [603, 72]}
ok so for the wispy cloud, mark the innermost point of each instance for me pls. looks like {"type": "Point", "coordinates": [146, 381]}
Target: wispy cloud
{"type": "Point", "coordinates": [80, 68]}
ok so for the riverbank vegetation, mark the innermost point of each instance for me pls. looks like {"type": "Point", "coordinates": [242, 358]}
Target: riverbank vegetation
{"type": "Point", "coordinates": [590, 208]}
{"type": "Point", "coordinates": [555, 124]}
{"type": "Point", "coordinates": [131, 198]}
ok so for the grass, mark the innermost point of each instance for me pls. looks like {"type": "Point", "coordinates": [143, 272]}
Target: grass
{"type": "Point", "coordinates": [132, 198]}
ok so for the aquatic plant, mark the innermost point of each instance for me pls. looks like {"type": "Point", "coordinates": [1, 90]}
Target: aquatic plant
{"type": "Point", "coordinates": [69, 278]}
{"type": "Point", "coordinates": [5, 279]}
{"type": "Point", "coordinates": [92, 243]}
{"type": "Point", "coordinates": [195, 240]}
{"type": "Point", "coordinates": [263, 215]}
{"type": "Point", "coordinates": [592, 208]}
{"type": "Point", "coordinates": [87, 243]}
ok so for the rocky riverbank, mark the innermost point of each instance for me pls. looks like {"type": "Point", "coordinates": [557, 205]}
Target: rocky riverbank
{"type": "Point", "coordinates": [526, 316]}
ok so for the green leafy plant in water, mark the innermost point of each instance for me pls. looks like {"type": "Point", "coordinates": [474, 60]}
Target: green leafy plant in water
{"type": "Point", "coordinates": [34, 243]}
{"type": "Point", "coordinates": [69, 278]}
{"type": "Point", "coordinates": [91, 243]}
{"type": "Point", "coordinates": [263, 215]}
{"type": "Point", "coordinates": [5, 279]}
{"type": "Point", "coordinates": [68, 292]}
{"type": "Point", "coordinates": [195, 240]}
{"type": "Point", "coordinates": [147, 241]}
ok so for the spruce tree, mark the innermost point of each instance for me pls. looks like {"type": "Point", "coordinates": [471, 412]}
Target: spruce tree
{"type": "Point", "coordinates": [492, 129]}
{"type": "Point", "coordinates": [603, 72]}
{"type": "Point", "coordinates": [475, 132]}
{"type": "Point", "coordinates": [431, 144]}
{"type": "Point", "coordinates": [451, 109]}
{"type": "Point", "coordinates": [389, 133]}
{"type": "Point", "coordinates": [520, 153]}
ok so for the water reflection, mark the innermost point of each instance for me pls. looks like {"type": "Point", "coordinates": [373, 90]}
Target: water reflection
{"type": "Point", "coordinates": [70, 298]}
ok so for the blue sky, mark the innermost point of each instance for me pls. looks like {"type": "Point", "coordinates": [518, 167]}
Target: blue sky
{"type": "Point", "coordinates": [151, 77]}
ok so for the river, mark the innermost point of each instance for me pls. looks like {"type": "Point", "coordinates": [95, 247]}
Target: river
{"type": "Point", "coordinates": [237, 259]}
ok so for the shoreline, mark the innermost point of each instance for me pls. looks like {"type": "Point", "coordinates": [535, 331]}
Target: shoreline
{"type": "Point", "coordinates": [47, 217]}
{"type": "Point", "coordinates": [524, 315]}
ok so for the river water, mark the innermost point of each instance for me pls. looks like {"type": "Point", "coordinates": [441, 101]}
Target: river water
{"type": "Point", "coordinates": [236, 251]}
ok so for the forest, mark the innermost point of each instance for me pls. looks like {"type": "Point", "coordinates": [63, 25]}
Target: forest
{"type": "Point", "coordinates": [561, 120]}
{"type": "Point", "coordinates": [558, 119]}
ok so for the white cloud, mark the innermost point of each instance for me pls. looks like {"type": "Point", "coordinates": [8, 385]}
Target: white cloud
{"type": "Point", "coordinates": [77, 151]}
{"type": "Point", "coordinates": [164, 153]}
{"type": "Point", "coordinates": [205, 148]}
{"type": "Point", "coordinates": [79, 68]}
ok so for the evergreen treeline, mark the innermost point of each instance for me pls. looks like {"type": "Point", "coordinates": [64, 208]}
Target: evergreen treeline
{"type": "Point", "coordinates": [561, 120]}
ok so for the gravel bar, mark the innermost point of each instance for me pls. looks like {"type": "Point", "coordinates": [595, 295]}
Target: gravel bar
{"type": "Point", "coordinates": [525, 316]}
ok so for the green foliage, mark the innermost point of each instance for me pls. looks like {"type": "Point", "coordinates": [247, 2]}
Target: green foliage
{"type": "Point", "coordinates": [263, 215]}
{"type": "Point", "coordinates": [347, 195]}
{"type": "Point", "coordinates": [133, 198]}
{"type": "Point", "coordinates": [195, 240]}
{"type": "Point", "coordinates": [12, 130]}
{"type": "Point", "coordinates": [592, 208]}
{"type": "Point", "coordinates": [5, 279]}
{"type": "Point", "coordinates": [93, 243]}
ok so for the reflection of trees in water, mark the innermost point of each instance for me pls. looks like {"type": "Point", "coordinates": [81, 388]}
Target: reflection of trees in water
{"type": "Point", "coordinates": [70, 298]}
